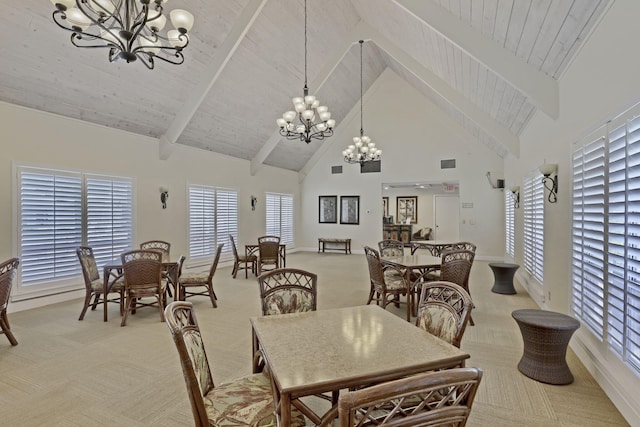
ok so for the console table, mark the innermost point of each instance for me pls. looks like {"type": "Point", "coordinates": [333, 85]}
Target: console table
{"type": "Point", "coordinates": [401, 232]}
{"type": "Point", "coordinates": [334, 244]}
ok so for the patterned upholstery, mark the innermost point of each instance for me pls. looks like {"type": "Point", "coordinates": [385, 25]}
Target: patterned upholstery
{"type": "Point", "coordinates": [444, 310]}
{"type": "Point", "coordinates": [385, 287]}
{"type": "Point", "coordinates": [94, 285]}
{"type": "Point", "coordinates": [8, 270]}
{"type": "Point", "coordinates": [158, 245]}
{"type": "Point", "coordinates": [247, 401]}
{"type": "Point", "coordinates": [287, 290]}
{"type": "Point", "coordinates": [288, 301]}
{"type": "Point", "coordinates": [389, 248]}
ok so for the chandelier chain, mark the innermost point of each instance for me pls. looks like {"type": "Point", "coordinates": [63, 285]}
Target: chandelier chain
{"type": "Point", "coordinates": [305, 44]}
{"type": "Point", "coordinates": [361, 92]}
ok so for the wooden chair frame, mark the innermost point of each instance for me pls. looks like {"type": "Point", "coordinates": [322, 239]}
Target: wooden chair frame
{"type": "Point", "coordinates": [8, 270]}
{"type": "Point", "coordinates": [275, 281]}
{"type": "Point", "coordinates": [379, 290]}
{"type": "Point", "coordinates": [268, 252]}
{"type": "Point", "coordinates": [242, 262]}
{"type": "Point", "coordinates": [116, 284]}
{"type": "Point", "coordinates": [143, 275]}
{"type": "Point", "coordinates": [187, 282]}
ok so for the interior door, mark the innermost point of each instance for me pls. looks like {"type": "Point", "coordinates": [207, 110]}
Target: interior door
{"type": "Point", "coordinates": [447, 217]}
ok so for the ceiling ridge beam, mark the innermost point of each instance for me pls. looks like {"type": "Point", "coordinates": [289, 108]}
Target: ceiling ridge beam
{"type": "Point", "coordinates": [541, 89]}
{"type": "Point", "coordinates": [326, 71]}
{"type": "Point", "coordinates": [197, 95]}
{"type": "Point", "coordinates": [474, 113]}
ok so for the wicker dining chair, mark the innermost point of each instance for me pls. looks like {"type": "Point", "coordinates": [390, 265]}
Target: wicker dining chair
{"type": "Point", "coordinates": [444, 309]}
{"type": "Point", "coordinates": [390, 247]}
{"type": "Point", "coordinates": [433, 399]}
{"type": "Point", "coordinates": [158, 245]}
{"type": "Point", "coordinates": [288, 290]}
{"type": "Point", "coordinates": [242, 262]}
{"type": "Point", "coordinates": [94, 285]}
{"type": "Point", "coordinates": [268, 252]}
{"type": "Point", "coordinates": [386, 288]}
{"type": "Point", "coordinates": [143, 279]}
{"type": "Point", "coordinates": [245, 401]}
{"type": "Point", "coordinates": [8, 270]}
{"type": "Point", "coordinates": [188, 284]}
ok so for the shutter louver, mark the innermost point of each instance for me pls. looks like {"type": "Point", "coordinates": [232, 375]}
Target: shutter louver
{"type": "Point", "coordinates": [509, 224]}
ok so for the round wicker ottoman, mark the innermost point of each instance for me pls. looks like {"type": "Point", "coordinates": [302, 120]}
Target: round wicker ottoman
{"type": "Point", "coordinates": [546, 335]}
{"type": "Point", "coordinates": [503, 274]}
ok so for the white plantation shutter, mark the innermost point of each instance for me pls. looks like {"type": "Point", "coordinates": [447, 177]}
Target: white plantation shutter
{"type": "Point", "coordinates": [533, 205]}
{"type": "Point", "coordinates": [509, 214]}
{"type": "Point", "coordinates": [279, 216]}
{"type": "Point", "coordinates": [588, 236]}
{"type": "Point", "coordinates": [213, 216]}
{"type": "Point", "coordinates": [226, 217]}
{"type": "Point", "coordinates": [606, 237]}
{"type": "Point", "coordinates": [50, 225]}
{"type": "Point", "coordinates": [109, 217]}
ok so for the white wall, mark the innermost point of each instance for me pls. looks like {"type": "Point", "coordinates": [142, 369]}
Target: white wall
{"type": "Point", "coordinates": [602, 82]}
{"type": "Point", "coordinates": [44, 140]}
{"type": "Point", "coordinates": [414, 135]}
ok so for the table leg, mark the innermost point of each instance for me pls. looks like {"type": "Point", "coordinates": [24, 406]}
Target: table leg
{"type": "Point", "coordinates": [105, 295]}
{"type": "Point", "coordinates": [255, 345]}
{"type": "Point", "coordinates": [285, 409]}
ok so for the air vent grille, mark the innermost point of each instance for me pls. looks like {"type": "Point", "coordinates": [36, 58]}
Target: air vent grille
{"type": "Point", "coordinates": [336, 169]}
{"type": "Point", "coordinates": [448, 164]}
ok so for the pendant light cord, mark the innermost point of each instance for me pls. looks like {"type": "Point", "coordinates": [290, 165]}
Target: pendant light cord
{"type": "Point", "coordinates": [305, 44]}
{"type": "Point", "coordinates": [361, 121]}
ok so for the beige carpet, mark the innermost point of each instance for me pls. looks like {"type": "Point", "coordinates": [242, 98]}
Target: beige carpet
{"type": "Point", "coordinates": [90, 373]}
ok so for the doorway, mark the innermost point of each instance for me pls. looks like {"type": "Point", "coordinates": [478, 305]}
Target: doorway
{"type": "Point", "coordinates": [446, 217]}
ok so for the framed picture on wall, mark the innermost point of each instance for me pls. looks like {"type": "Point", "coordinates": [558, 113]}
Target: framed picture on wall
{"type": "Point", "coordinates": [407, 210]}
{"type": "Point", "coordinates": [327, 209]}
{"type": "Point", "coordinates": [349, 209]}
{"type": "Point", "coordinates": [385, 207]}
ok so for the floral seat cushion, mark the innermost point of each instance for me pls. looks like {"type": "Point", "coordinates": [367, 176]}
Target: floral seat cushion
{"type": "Point", "coordinates": [98, 285]}
{"type": "Point", "coordinates": [288, 301]}
{"type": "Point", "coordinates": [394, 281]}
{"type": "Point", "coordinates": [202, 277]}
{"type": "Point", "coordinates": [439, 321]}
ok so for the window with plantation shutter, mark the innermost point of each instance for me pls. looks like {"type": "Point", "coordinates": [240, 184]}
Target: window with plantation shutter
{"type": "Point", "coordinates": [50, 226]}
{"type": "Point", "coordinates": [213, 216]}
{"type": "Point", "coordinates": [509, 215]}
{"type": "Point", "coordinates": [279, 215]}
{"type": "Point", "coordinates": [59, 211]}
{"type": "Point", "coordinates": [109, 217]}
{"type": "Point", "coordinates": [606, 236]}
{"type": "Point", "coordinates": [588, 235]}
{"type": "Point", "coordinates": [533, 205]}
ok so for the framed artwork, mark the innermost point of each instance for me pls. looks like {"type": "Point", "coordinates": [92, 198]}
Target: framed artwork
{"type": "Point", "coordinates": [327, 209]}
{"type": "Point", "coordinates": [407, 209]}
{"type": "Point", "coordinates": [349, 209]}
{"type": "Point", "coordinates": [385, 207]}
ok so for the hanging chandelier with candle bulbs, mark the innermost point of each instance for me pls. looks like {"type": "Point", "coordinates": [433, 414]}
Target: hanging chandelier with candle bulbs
{"type": "Point", "coordinates": [130, 29]}
{"type": "Point", "coordinates": [362, 150]}
{"type": "Point", "coordinates": [313, 120]}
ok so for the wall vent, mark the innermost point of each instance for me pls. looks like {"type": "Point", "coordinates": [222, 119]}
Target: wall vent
{"type": "Point", "coordinates": [369, 167]}
{"type": "Point", "coordinates": [448, 164]}
{"type": "Point", "coordinates": [336, 169]}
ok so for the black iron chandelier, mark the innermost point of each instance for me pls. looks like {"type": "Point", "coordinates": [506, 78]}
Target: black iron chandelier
{"type": "Point", "coordinates": [362, 150]}
{"type": "Point", "coordinates": [307, 110]}
{"type": "Point", "coordinates": [130, 29]}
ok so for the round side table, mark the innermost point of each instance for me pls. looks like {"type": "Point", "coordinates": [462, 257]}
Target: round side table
{"type": "Point", "coordinates": [546, 335]}
{"type": "Point", "coordinates": [503, 277]}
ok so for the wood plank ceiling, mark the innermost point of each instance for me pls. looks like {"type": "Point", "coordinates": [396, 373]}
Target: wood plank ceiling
{"type": "Point", "coordinates": [490, 64]}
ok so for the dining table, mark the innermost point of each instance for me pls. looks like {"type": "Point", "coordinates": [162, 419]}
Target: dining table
{"type": "Point", "coordinates": [114, 270]}
{"type": "Point", "coordinates": [435, 247]}
{"type": "Point", "coordinates": [253, 249]}
{"type": "Point", "coordinates": [325, 351]}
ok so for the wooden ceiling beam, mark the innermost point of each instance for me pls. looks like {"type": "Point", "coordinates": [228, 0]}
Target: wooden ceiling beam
{"type": "Point", "coordinates": [541, 89]}
{"type": "Point", "coordinates": [474, 113]}
{"type": "Point", "coordinates": [210, 76]}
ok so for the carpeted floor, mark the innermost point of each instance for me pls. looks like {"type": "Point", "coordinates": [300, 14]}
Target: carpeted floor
{"type": "Point", "coordinates": [90, 373]}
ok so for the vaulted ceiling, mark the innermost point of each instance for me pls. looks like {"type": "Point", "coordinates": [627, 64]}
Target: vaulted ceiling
{"type": "Point", "coordinates": [489, 64]}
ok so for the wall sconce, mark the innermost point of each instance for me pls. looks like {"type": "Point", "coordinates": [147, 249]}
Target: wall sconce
{"type": "Point", "coordinates": [515, 195]}
{"type": "Point", "coordinates": [164, 195]}
{"type": "Point", "coordinates": [254, 202]}
{"type": "Point", "coordinates": [550, 182]}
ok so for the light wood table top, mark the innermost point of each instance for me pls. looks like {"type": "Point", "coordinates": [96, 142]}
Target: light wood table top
{"type": "Point", "coordinates": [329, 350]}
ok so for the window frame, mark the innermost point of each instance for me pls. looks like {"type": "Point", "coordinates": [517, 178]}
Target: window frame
{"type": "Point", "coordinates": [286, 234]}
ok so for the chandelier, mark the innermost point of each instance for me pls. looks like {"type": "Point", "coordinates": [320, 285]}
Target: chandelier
{"type": "Point", "coordinates": [307, 110]}
{"type": "Point", "coordinates": [130, 29]}
{"type": "Point", "coordinates": [362, 150]}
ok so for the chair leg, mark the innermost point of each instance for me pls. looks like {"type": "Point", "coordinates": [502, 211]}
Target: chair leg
{"type": "Point", "coordinates": [4, 324]}
{"type": "Point", "coordinates": [235, 268]}
{"type": "Point", "coordinates": [96, 299]}
{"type": "Point", "coordinates": [161, 303]}
{"type": "Point", "coordinates": [212, 296]}
{"type": "Point", "coordinates": [246, 269]}
{"type": "Point", "coordinates": [87, 301]}
{"type": "Point", "coordinates": [127, 309]}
